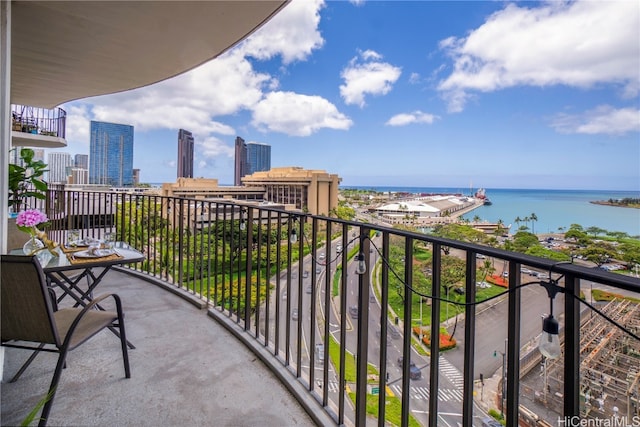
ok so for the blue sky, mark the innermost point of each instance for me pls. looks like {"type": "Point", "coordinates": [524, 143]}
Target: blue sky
{"type": "Point", "coordinates": [417, 93]}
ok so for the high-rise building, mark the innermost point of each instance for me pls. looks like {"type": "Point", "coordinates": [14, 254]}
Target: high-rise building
{"type": "Point", "coordinates": [185, 154]}
{"type": "Point", "coordinates": [240, 166]}
{"type": "Point", "coordinates": [111, 154]}
{"type": "Point", "coordinates": [57, 163]}
{"type": "Point", "coordinates": [82, 161]}
{"type": "Point", "coordinates": [136, 177]}
{"type": "Point", "coordinates": [258, 157]}
{"type": "Point", "coordinates": [79, 176]}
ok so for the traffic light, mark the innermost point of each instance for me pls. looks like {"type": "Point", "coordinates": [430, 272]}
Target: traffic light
{"type": "Point", "coordinates": [495, 353]}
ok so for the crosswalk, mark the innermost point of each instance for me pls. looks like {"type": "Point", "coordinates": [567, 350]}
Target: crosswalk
{"type": "Point", "coordinates": [419, 393]}
{"type": "Point", "coordinates": [451, 373]}
{"type": "Point", "coordinates": [422, 393]}
{"type": "Point", "coordinates": [331, 385]}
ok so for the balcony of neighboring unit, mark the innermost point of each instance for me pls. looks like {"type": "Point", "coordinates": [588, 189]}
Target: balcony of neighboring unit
{"type": "Point", "coordinates": [38, 127]}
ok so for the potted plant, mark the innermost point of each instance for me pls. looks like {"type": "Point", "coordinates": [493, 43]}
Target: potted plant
{"type": "Point", "coordinates": [26, 181]}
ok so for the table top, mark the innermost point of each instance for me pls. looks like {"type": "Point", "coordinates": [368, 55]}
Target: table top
{"type": "Point", "coordinates": [64, 261]}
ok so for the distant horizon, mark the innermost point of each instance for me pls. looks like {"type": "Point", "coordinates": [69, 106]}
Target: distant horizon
{"type": "Point", "coordinates": [449, 187]}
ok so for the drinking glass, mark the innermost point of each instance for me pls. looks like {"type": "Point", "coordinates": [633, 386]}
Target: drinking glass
{"type": "Point", "coordinates": [73, 236]}
{"type": "Point", "coordinates": [109, 240]}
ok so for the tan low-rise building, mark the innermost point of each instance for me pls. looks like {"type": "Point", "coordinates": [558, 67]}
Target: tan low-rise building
{"type": "Point", "coordinates": [208, 188]}
{"type": "Point", "coordinates": [312, 191]}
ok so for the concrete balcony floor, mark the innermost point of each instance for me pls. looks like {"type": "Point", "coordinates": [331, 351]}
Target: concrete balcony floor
{"type": "Point", "coordinates": [186, 370]}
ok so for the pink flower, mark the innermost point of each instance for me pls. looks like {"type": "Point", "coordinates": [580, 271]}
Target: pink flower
{"type": "Point", "coordinates": [31, 218]}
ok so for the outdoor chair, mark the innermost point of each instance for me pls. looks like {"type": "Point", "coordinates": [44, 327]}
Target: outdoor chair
{"type": "Point", "coordinates": [28, 316]}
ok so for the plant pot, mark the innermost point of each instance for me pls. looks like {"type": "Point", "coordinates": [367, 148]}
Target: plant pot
{"type": "Point", "coordinates": [15, 237]}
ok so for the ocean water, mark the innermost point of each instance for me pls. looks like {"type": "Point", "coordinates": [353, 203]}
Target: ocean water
{"type": "Point", "coordinates": [554, 208]}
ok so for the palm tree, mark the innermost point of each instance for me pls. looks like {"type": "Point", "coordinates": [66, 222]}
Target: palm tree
{"type": "Point", "coordinates": [518, 220]}
{"type": "Point", "coordinates": [533, 217]}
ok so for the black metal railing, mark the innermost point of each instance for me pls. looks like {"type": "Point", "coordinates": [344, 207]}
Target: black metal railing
{"type": "Point", "coordinates": [347, 307]}
{"type": "Point", "coordinates": [38, 121]}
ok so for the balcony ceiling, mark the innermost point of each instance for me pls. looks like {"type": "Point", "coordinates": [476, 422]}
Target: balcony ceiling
{"type": "Point", "coordinates": [69, 50]}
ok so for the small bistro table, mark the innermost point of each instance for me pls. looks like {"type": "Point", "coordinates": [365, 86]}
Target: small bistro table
{"type": "Point", "coordinates": [67, 271]}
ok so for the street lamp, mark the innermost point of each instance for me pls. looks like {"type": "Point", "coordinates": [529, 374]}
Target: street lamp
{"type": "Point", "coordinates": [504, 375]}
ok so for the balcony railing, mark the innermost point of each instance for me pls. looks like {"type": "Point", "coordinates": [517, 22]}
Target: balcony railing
{"type": "Point", "coordinates": [39, 121]}
{"type": "Point", "coordinates": [345, 308]}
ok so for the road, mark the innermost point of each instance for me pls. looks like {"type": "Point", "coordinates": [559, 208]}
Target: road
{"type": "Point", "coordinates": [492, 317]}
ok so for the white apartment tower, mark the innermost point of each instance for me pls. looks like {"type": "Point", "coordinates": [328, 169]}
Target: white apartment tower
{"type": "Point", "coordinates": [58, 163]}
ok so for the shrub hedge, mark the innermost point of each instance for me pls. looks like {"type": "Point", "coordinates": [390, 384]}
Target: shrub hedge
{"type": "Point", "coordinates": [446, 342]}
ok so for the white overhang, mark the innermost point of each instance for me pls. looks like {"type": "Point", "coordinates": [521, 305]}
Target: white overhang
{"type": "Point", "coordinates": [67, 50]}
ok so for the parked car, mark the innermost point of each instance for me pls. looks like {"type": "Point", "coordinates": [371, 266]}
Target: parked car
{"type": "Point", "coordinates": [294, 314]}
{"type": "Point", "coordinates": [305, 274]}
{"type": "Point", "coordinates": [320, 352]}
{"type": "Point", "coordinates": [338, 248]}
{"type": "Point", "coordinates": [490, 422]}
{"type": "Point", "coordinates": [353, 311]}
{"type": "Point", "coordinates": [393, 332]}
{"type": "Point", "coordinates": [309, 288]}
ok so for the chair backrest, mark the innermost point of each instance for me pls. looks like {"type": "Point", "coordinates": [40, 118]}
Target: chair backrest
{"type": "Point", "coordinates": [26, 311]}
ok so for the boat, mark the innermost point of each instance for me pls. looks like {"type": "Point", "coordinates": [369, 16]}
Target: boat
{"type": "Point", "coordinates": [482, 196]}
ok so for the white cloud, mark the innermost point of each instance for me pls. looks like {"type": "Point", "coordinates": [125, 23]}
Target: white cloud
{"type": "Point", "coordinates": [298, 115]}
{"type": "Point", "coordinates": [224, 86]}
{"type": "Point", "coordinates": [213, 147]}
{"type": "Point", "coordinates": [77, 124]}
{"type": "Point", "coordinates": [292, 33]}
{"type": "Point", "coordinates": [580, 44]}
{"type": "Point", "coordinates": [404, 119]}
{"type": "Point", "coordinates": [362, 77]}
{"type": "Point", "coordinates": [190, 101]}
{"type": "Point", "coordinates": [171, 164]}
{"type": "Point", "coordinates": [414, 78]}
{"type": "Point", "coordinates": [602, 120]}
